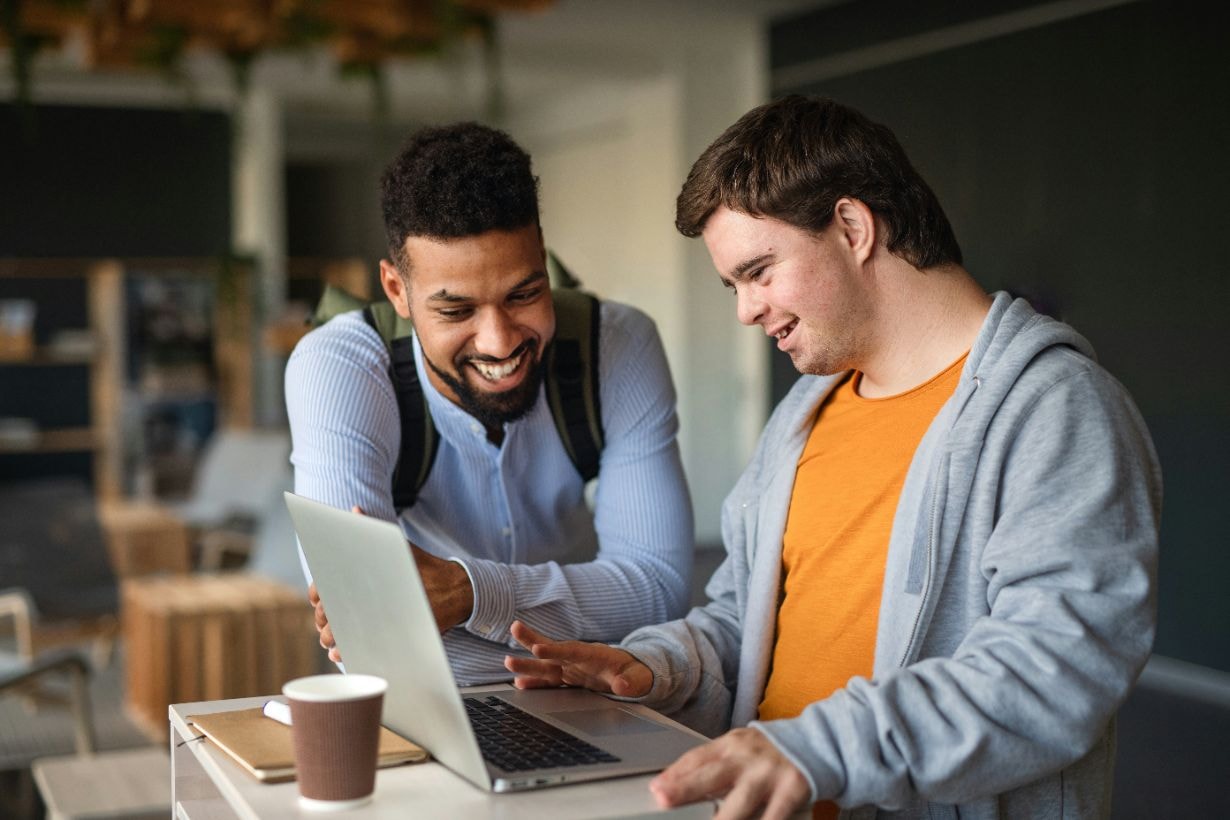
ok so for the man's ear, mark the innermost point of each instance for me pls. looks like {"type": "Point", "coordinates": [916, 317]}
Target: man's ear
{"type": "Point", "coordinates": [395, 288]}
{"type": "Point", "coordinates": [858, 227]}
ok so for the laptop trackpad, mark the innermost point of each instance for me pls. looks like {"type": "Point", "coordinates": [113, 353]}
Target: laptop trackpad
{"type": "Point", "coordinates": [600, 722]}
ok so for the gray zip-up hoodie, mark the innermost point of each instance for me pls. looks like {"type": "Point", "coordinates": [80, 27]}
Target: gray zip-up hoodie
{"type": "Point", "coordinates": [1018, 605]}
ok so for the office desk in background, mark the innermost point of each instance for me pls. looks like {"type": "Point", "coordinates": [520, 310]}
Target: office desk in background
{"type": "Point", "coordinates": [207, 785]}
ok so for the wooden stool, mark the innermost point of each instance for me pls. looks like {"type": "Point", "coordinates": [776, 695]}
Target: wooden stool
{"type": "Point", "coordinates": [132, 783]}
{"type": "Point", "coordinates": [211, 637]}
{"type": "Point", "coordinates": [144, 538]}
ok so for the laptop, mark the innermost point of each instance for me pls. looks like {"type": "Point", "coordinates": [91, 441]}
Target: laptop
{"type": "Point", "coordinates": [500, 740]}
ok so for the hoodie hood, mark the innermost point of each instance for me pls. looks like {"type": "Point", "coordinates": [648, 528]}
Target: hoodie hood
{"type": "Point", "coordinates": [1012, 336]}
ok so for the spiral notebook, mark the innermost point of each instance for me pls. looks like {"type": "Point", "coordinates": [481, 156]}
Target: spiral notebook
{"type": "Point", "coordinates": [263, 747]}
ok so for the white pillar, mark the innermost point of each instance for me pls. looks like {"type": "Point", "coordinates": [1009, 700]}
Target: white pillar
{"type": "Point", "coordinates": [724, 383]}
{"type": "Point", "coordinates": [259, 230]}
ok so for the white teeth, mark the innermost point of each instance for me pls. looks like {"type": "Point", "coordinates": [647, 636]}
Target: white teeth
{"type": "Point", "coordinates": [784, 332]}
{"type": "Point", "coordinates": [495, 372]}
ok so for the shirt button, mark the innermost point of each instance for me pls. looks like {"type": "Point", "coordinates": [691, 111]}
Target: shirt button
{"type": "Point", "coordinates": [476, 427]}
{"type": "Point", "coordinates": [507, 531]}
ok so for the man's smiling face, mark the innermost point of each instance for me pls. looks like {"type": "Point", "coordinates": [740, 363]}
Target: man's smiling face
{"type": "Point", "coordinates": [805, 289]}
{"type": "Point", "coordinates": [483, 314]}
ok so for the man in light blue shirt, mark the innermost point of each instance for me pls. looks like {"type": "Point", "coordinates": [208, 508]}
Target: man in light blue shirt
{"type": "Point", "coordinates": [501, 529]}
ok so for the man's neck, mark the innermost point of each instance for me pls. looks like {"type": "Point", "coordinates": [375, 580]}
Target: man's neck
{"type": "Point", "coordinates": [925, 320]}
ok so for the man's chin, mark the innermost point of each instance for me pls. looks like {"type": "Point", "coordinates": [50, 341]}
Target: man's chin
{"type": "Point", "coordinates": [495, 407]}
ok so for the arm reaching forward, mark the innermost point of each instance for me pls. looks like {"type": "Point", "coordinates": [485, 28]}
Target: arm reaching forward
{"type": "Point", "coordinates": [593, 666]}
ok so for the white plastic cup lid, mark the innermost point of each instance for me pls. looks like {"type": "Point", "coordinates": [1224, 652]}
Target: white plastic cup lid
{"type": "Point", "coordinates": [325, 688]}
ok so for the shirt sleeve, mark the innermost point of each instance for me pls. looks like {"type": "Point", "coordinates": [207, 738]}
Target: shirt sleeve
{"type": "Point", "coordinates": [344, 423]}
{"type": "Point", "coordinates": [642, 513]}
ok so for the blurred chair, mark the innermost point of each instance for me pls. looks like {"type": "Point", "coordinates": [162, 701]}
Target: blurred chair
{"type": "Point", "coordinates": [19, 746]}
{"type": "Point", "coordinates": [59, 586]}
{"type": "Point", "coordinates": [40, 679]}
{"type": "Point", "coordinates": [60, 598]}
{"type": "Point", "coordinates": [239, 471]}
{"type": "Point", "coordinates": [275, 551]}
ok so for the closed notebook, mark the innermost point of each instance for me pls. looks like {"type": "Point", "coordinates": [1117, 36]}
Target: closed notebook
{"type": "Point", "coordinates": [265, 749]}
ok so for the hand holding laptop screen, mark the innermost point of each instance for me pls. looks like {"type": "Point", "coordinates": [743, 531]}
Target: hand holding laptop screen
{"type": "Point", "coordinates": [593, 666]}
{"type": "Point", "coordinates": [446, 583]}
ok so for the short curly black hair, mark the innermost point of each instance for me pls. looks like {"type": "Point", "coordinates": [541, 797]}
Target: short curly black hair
{"type": "Point", "coordinates": [456, 180]}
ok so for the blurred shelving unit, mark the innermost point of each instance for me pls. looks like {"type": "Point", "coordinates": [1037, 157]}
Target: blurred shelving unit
{"type": "Point", "coordinates": [97, 345]}
{"type": "Point", "coordinates": [124, 343]}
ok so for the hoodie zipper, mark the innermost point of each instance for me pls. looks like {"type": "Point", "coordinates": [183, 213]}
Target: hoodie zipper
{"type": "Point", "coordinates": [935, 501]}
{"type": "Point", "coordinates": [922, 604]}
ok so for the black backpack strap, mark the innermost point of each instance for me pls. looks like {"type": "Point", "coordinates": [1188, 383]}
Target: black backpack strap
{"type": "Point", "coordinates": [571, 379]}
{"type": "Point", "coordinates": [419, 439]}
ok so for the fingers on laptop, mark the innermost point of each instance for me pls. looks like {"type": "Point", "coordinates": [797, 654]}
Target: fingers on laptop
{"type": "Point", "coordinates": [594, 666]}
{"type": "Point", "coordinates": [322, 627]}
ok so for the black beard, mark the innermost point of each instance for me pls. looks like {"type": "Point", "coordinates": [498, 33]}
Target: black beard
{"type": "Point", "coordinates": [494, 410]}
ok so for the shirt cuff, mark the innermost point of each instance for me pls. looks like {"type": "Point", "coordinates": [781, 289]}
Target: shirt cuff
{"type": "Point", "coordinates": [495, 600]}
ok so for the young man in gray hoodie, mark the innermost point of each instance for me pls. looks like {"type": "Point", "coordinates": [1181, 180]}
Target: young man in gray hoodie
{"type": "Point", "coordinates": [940, 574]}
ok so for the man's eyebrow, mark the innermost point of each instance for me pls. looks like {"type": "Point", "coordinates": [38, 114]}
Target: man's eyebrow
{"type": "Point", "coordinates": [531, 279]}
{"type": "Point", "coordinates": [443, 294]}
{"type": "Point", "coordinates": [740, 271]}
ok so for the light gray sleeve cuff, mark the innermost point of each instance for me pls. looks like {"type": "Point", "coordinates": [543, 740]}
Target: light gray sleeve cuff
{"type": "Point", "coordinates": [819, 791]}
{"type": "Point", "coordinates": [495, 600]}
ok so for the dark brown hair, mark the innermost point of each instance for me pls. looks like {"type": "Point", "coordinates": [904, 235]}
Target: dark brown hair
{"type": "Point", "coordinates": [793, 158]}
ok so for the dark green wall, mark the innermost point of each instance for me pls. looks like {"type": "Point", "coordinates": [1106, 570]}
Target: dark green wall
{"type": "Point", "coordinates": [1085, 161]}
{"type": "Point", "coordinates": [108, 181]}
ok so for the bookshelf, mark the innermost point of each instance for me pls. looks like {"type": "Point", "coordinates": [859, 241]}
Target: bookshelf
{"type": "Point", "coordinates": [80, 384]}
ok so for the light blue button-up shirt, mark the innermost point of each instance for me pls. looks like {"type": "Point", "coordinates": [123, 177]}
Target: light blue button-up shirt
{"type": "Point", "coordinates": [515, 516]}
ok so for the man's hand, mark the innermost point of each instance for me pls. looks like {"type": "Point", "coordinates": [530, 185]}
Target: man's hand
{"type": "Point", "coordinates": [322, 624]}
{"type": "Point", "coordinates": [447, 584]}
{"type": "Point", "coordinates": [593, 666]}
{"type": "Point", "coordinates": [744, 768]}
{"type": "Point", "coordinates": [448, 588]}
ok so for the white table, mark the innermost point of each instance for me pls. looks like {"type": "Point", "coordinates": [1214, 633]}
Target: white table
{"type": "Point", "coordinates": [208, 785]}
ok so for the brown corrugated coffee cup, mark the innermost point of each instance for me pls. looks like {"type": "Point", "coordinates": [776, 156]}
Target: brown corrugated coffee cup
{"type": "Point", "coordinates": [335, 723]}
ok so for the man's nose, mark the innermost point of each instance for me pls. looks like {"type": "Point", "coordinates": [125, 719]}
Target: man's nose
{"type": "Point", "coordinates": [497, 335]}
{"type": "Point", "coordinates": [749, 307]}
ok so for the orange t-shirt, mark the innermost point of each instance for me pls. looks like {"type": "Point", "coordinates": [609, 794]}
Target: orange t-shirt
{"type": "Point", "coordinates": [845, 495]}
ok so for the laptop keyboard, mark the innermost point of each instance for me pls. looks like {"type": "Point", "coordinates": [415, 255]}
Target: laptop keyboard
{"type": "Point", "coordinates": [516, 741]}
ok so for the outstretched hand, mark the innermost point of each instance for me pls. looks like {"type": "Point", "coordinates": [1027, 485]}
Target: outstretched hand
{"type": "Point", "coordinates": [593, 666]}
